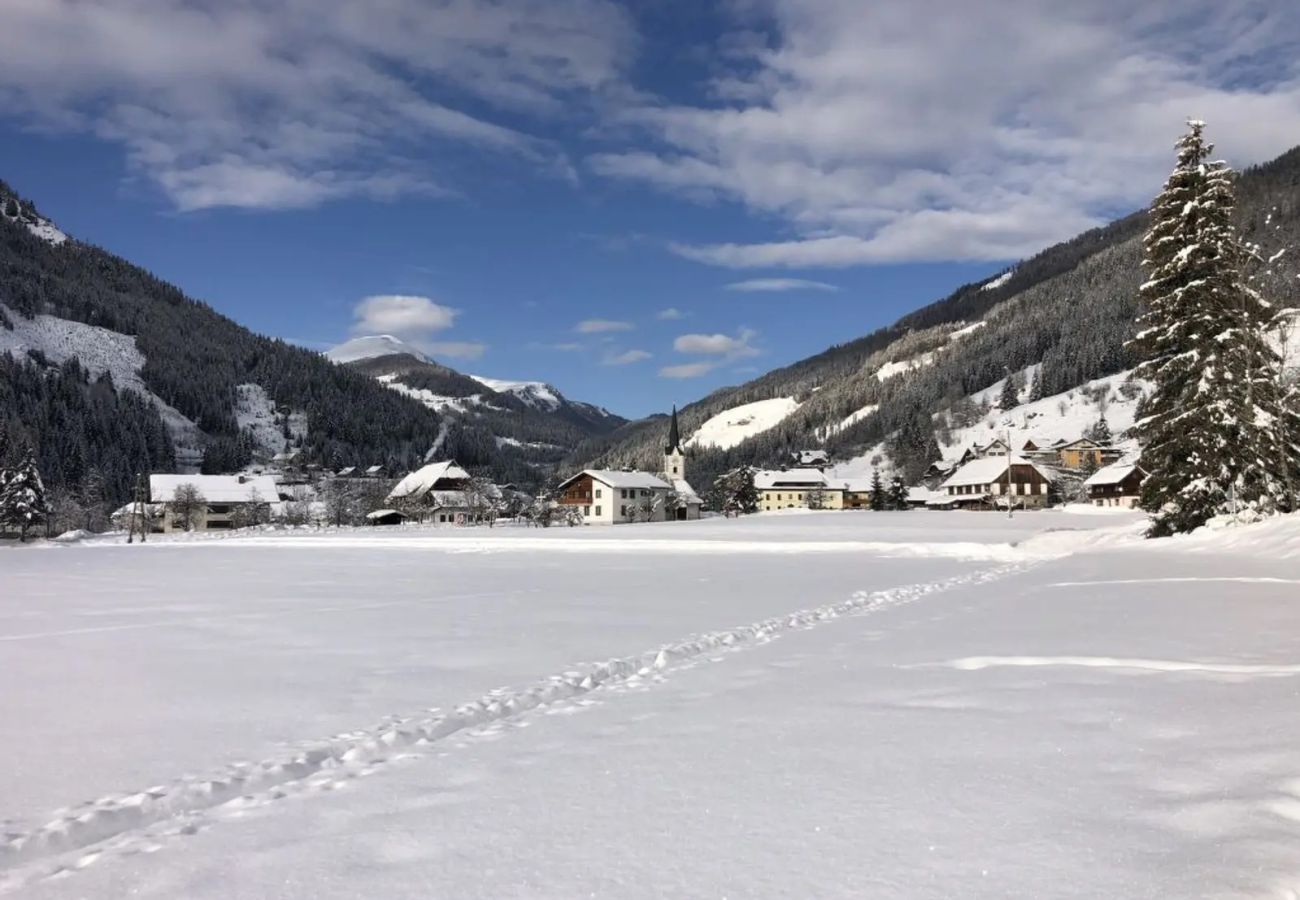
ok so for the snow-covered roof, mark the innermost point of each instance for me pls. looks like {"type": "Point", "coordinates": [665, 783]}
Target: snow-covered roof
{"type": "Point", "coordinates": [989, 470]}
{"type": "Point", "coordinates": [346, 471]}
{"type": "Point", "coordinates": [216, 488]}
{"type": "Point", "coordinates": [854, 485]}
{"type": "Point", "coordinates": [683, 487]}
{"type": "Point", "coordinates": [374, 470]}
{"type": "Point", "coordinates": [920, 494]}
{"type": "Point", "coordinates": [423, 480]}
{"type": "Point", "coordinates": [383, 513]}
{"type": "Point", "coordinates": [616, 479]}
{"type": "Point", "coordinates": [770, 479]}
{"type": "Point", "coordinates": [1112, 474]}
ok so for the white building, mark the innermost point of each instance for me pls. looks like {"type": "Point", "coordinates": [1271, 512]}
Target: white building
{"type": "Point", "coordinates": [609, 497]}
{"type": "Point", "coordinates": [225, 500]}
{"type": "Point", "coordinates": [988, 481]}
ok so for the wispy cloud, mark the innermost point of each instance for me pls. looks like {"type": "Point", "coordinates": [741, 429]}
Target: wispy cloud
{"type": "Point", "coordinates": [275, 105]}
{"type": "Point", "coordinates": [723, 345]}
{"type": "Point", "coordinates": [840, 122]}
{"type": "Point", "coordinates": [562, 347]}
{"type": "Point", "coordinates": [671, 314]}
{"type": "Point", "coordinates": [775, 285]}
{"type": "Point", "coordinates": [626, 358]}
{"type": "Point", "coordinates": [688, 370]}
{"type": "Point", "coordinates": [456, 349]}
{"type": "Point", "coordinates": [601, 326]}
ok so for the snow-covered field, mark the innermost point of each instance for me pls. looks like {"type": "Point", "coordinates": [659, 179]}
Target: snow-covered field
{"type": "Point", "coordinates": [840, 704]}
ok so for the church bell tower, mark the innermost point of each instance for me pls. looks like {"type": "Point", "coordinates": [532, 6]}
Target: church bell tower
{"type": "Point", "coordinates": [674, 457]}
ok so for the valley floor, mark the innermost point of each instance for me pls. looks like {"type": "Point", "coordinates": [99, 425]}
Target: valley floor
{"type": "Point", "coordinates": [884, 705]}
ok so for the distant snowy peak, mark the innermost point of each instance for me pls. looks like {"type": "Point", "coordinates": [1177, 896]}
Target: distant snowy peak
{"type": "Point", "coordinates": [372, 347]}
{"type": "Point", "coordinates": [15, 210]}
{"type": "Point", "coordinates": [537, 394]}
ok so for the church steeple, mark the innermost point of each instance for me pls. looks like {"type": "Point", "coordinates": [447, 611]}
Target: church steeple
{"type": "Point", "coordinates": [674, 456]}
{"type": "Point", "coordinates": [674, 437]}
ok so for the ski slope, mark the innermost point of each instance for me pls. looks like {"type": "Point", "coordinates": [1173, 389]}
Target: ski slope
{"type": "Point", "coordinates": [925, 704]}
{"type": "Point", "coordinates": [738, 424]}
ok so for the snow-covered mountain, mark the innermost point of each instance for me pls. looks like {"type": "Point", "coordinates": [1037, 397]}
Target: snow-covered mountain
{"type": "Point", "coordinates": [372, 347]}
{"type": "Point", "coordinates": [528, 420]}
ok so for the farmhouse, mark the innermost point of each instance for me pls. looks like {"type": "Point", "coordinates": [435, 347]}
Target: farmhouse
{"type": "Point", "coordinates": [796, 488]}
{"type": "Point", "coordinates": [440, 492]}
{"type": "Point", "coordinates": [608, 497]}
{"type": "Point", "coordinates": [1119, 484]}
{"type": "Point", "coordinates": [222, 502]}
{"type": "Point", "coordinates": [1083, 453]}
{"type": "Point", "coordinates": [985, 482]}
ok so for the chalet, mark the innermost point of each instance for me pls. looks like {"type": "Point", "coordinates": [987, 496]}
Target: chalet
{"type": "Point", "coordinates": [1118, 484]}
{"type": "Point", "coordinates": [989, 481]}
{"type": "Point", "coordinates": [796, 489]}
{"type": "Point", "coordinates": [224, 501]}
{"type": "Point", "coordinates": [855, 493]}
{"type": "Point", "coordinates": [1084, 453]}
{"type": "Point", "coordinates": [610, 498]}
{"type": "Point", "coordinates": [815, 459]}
{"type": "Point", "coordinates": [995, 447]}
{"type": "Point", "coordinates": [439, 492]}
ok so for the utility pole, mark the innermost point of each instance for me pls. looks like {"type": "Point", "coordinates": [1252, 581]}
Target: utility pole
{"type": "Point", "coordinates": [138, 504]}
{"type": "Point", "coordinates": [1009, 461]}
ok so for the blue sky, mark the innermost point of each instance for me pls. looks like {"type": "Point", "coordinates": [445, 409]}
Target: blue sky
{"type": "Point", "coordinates": [527, 188]}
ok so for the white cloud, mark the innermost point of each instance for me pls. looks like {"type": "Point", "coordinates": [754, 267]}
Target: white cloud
{"type": "Point", "coordinates": [455, 349]}
{"type": "Point", "coordinates": [274, 105]}
{"type": "Point", "coordinates": [601, 326]}
{"type": "Point", "coordinates": [688, 370]}
{"type": "Point", "coordinates": [723, 345]}
{"type": "Point", "coordinates": [626, 358]}
{"type": "Point", "coordinates": [944, 129]}
{"type": "Point", "coordinates": [403, 315]}
{"type": "Point", "coordinates": [671, 314]}
{"type": "Point", "coordinates": [761, 285]}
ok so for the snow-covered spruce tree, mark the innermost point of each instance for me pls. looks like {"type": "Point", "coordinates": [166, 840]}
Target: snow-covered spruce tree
{"type": "Point", "coordinates": [1207, 431]}
{"type": "Point", "coordinates": [878, 498]}
{"type": "Point", "coordinates": [22, 500]}
{"type": "Point", "coordinates": [1010, 397]}
{"type": "Point", "coordinates": [897, 492]}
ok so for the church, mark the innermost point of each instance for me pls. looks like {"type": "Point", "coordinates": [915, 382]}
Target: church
{"type": "Point", "coordinates": [613, 497]}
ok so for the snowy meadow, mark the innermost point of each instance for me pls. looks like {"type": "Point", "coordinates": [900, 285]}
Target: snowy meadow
{"type": "Point", "coordinates": [893, 705]}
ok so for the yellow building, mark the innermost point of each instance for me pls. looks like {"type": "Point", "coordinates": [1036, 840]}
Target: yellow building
{"type": "Point", "coordinates": [796, 489]}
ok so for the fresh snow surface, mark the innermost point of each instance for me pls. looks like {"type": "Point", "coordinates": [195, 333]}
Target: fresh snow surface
{"type": "Point", "coordinates": [435, 402]}
{"type": "Point", "coordinates": [999, 281]}
{"type": "Point", "coordinates": [729, 428]}
{"type": "Point", "coordinates": [99, 350]}
{"type": "Point", "coordinates": [216, 488]}
{"type": "Point", "coordinates": [892, 369]}
{"type": "Point", "coordinates": [42, 228]}
{"type": "Point", "coordinates": [969, 329]}
{"type": "Point", "coordinates": [839, 704]}
{"type": "Point", "coordinates": [372, 347]}
{"type": "Point", "coordinates": [255, 411]}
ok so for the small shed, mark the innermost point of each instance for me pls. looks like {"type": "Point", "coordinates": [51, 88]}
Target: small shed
{"type": "Point", "coordinates": [386, 517]}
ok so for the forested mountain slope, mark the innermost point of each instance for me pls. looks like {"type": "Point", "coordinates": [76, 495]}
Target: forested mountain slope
{"type": "Point", "coordinates": [82, 331]}
{"type": "Point", "coordinates": [1068, 311]}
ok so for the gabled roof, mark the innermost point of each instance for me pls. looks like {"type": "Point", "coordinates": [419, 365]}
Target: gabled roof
{"type": "Point", "coordinates": [216, 488]}
{"type": "Point", "coordinates": [683, 487]}
{"type": "Point", "coordinates": [345, 471]}
{"type": "Point", "coordinates": [1113, 474]}
{"type": "Point", "coordinates": [615, 479]}
{"type": "Point", "coordinates": [768, 479]}
{"type": "Point", "coordinates": [374, 470]}
{"type": "Point", "coordinates": [1080, 442]}
{"type": "Point", "coordinates": [989, 470]}
{"type": "Point", "coordinates": [424, 479]}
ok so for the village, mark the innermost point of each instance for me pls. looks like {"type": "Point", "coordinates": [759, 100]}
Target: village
{"type": "Point", "coordinates": [988, 477]}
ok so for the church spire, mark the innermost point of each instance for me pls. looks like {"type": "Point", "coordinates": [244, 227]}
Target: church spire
{"type": "Point", "coordinates": [674, 438]}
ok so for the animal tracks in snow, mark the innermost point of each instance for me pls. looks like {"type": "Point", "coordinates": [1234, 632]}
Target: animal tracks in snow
{"type": "Point", "coordinates": [138, 822]}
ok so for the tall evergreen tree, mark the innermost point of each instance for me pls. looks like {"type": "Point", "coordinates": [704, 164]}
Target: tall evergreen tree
{"type": "Point", "coordinates": [878, 498]}
{"type": "Point", "coordinates": [1010, 397]}
{"type": "Point", "coordinates": [22, 501]}
{"type": "Point", "coordinates": [1208, 430]}
{"type": "Point", "coordinates": [897, 492]}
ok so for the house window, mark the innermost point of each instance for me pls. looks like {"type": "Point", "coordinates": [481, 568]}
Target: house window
{"type": "Point", "coordinates": [586, 510]}
{"type": "Point", "coordinates": [597, 508]}
{"type": "Point", "coordinates": [622, 511]}
{"type": "Point", "coordinates": [598, 496]}
{"type": "Point", "coordinates": [623, 493]}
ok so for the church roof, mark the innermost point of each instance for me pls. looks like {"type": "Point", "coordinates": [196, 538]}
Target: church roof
{"type": "Point", "coordinates": [674, 436]}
